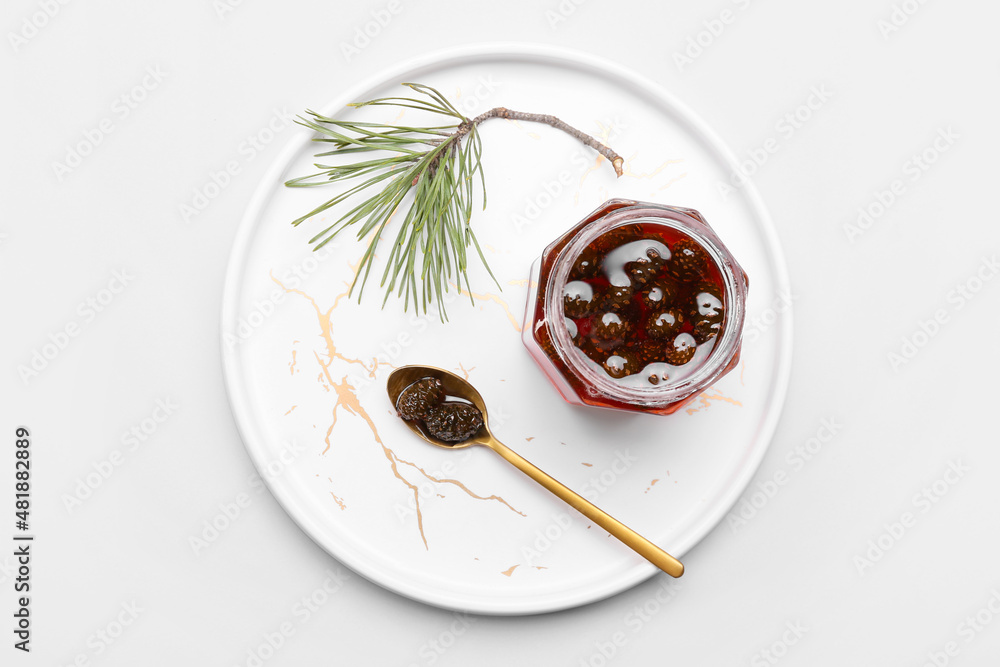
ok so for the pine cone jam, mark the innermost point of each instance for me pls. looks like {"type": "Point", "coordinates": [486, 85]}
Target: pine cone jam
{"type": "Point", "coordinates": [638, 307]}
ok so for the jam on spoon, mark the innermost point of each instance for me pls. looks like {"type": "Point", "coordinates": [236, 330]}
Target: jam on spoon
{"type": "Point", "coordinates": [451, 421]}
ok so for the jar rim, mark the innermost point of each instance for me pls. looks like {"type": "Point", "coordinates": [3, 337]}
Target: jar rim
{"type": "Point", "coordinates": [727, 341]}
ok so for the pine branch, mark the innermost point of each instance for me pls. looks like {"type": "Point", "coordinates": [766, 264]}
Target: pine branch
{"type": "Point", "coordinates": [438, 165]}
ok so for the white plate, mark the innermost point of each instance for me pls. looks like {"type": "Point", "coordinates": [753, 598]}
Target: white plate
{"type": "Point", "coordinates": [491, 541]}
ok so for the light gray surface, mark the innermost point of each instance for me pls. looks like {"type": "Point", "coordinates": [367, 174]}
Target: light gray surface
{"type": "Point", "coordinates": [795, 562]}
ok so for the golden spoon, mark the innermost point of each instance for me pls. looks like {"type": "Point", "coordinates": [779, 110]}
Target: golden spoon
{"type": "Point", "coordinates": [403, 377]}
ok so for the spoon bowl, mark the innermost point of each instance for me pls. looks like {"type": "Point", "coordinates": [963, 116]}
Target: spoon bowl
{"type": "Point", "coordinates": [457, 387]}
{"type": "Point", "coordinates": [403, 377]}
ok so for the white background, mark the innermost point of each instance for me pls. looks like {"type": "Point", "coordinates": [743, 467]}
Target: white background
{"type": "Point", "coordinates": [896, 79]}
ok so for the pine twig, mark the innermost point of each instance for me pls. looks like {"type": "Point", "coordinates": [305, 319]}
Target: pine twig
{"type": "Point", "coordinates": [437, 164]}
{"type": "Point", "coordinates": [502, 112]}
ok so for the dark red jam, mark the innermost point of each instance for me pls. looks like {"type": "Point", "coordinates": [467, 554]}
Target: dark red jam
{"type": "Point", "coordinates": [638, 307]}
{"type": "Point", "coordinates": [644, 299]}
{"type": "Point", "coordinates": [426, 402]}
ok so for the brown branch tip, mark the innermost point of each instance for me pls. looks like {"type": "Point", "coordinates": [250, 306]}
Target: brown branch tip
{"type": "Point", "coordinates": [501, 112]}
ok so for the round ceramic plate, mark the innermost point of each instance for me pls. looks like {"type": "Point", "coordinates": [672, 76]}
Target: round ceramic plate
{"type": "Point", "coordinates": [306, 365]}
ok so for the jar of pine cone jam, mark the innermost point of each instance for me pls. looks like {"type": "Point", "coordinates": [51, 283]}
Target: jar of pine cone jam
{"type": "Point", "coordinates": [639, 307]}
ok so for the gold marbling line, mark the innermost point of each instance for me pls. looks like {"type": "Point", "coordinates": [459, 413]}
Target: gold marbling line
{"type": "Point", "coordinates": [743, 367]}
{"type": "Point", "coordinates": [340, 501]}
{"type": "Point", "coordinates": [510, 570]}
{"type": "Point", "coordinates": [705, 399]}
{"type": "Point", "coordinates": [647, 174]}
{"type": "Point", "coordinates": [326, 439]}
{"type": "Point", "coordinates": [594, 167]}
{"type": "Point", "coordinates": [495, 299]}
{"type": "Point", "coordinates": [353, 405]}
{"type": "Point", "coordinates": [355, 268]}
{"type": "Point", "coordinates": [336, 299]}
{"type": "Point", "coordinates": [290, 410]}
{"type": "Point", "coordinates": [604, 136]}
{"type": "Point", "coordinates": [465, 371]}
{"type": "Point", "coordinates": [522, 282]}
{"type": "Point", "coordinates": [348, 283]}
{"type": "Point", "coordinates": [349, 400]}
{"type": "Point", "coordinates": [446, 480]}
{"type": "Point", "coordinates": [325, 326]}
{"type": "Point", "coordinates": [335, 405]}
{"type": "Point", "coordinates": [391, 455]}
{"type": "Point", "coordinates": [516, 123]}
{"type": "Point", "coordinates": [291, 366]}
{"type": "Point", "coordinates": [671, 182]}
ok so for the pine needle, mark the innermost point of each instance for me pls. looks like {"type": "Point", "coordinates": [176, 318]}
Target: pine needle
{"type": "Point", "coordinates": [438, 166]}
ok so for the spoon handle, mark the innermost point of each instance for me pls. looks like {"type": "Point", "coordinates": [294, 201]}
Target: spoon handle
{"type": "Point", "coordinates": [629, 537]}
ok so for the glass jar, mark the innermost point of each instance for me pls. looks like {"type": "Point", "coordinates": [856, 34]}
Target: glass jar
{"type": "Point", "coordinates": [638, 307]}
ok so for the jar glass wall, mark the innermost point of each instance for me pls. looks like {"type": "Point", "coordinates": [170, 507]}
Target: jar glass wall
{"type": "Point", "coordinates": [639, 307]}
